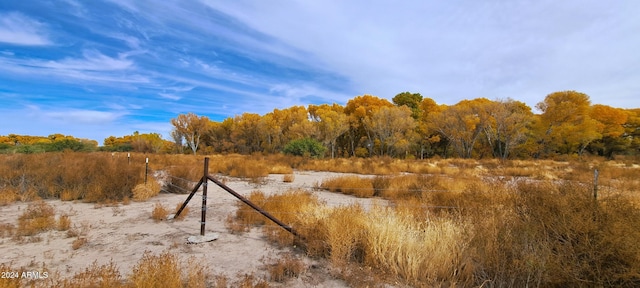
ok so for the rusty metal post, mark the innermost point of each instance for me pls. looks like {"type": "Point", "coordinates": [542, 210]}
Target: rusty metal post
{"type": "Point", "coordinates": [193, 192]}
{"type": "Point", "coordinates": [255, 207]}
{"type": "Point", "coordinates": [204, 195]}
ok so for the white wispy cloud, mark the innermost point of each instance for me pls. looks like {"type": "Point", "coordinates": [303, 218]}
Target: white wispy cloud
{"type": "Point", "coordinates": [82, 116]}
{"type": "Point", "coordinates": [93, 68]}
{"type": "Point", "coordinates": [170, 96]}
{"type": "Point", "coordinates": [92, 61]}
{"type": "Point", "coordinates": [19, 29]}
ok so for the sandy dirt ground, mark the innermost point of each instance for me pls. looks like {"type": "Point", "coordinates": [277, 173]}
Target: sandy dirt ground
{"type": "Point", "coordinates": [123, 233]}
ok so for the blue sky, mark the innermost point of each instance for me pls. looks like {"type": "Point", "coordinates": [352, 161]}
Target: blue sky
{"type": "Point", "coordinates": [92, 69]}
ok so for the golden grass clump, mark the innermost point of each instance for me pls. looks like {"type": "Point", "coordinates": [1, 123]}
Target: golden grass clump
{"type": "Point", "coordinates": [156, 271]}
{"type": "Point", "coordinates": [420, 252]}
{"type": "Point", "coordinates": [345, 234]}
{"type": "Point", "coordinates": [196, 275]}
{"type": "Point", "coordinates": [79, 242]}
{"type": "Point", "coordinates": [351, 185]}
{"type": "Point", "coordinates": [64, 223]}
{"type": "Point", "coordinates": [8, 195]}
{"type": "Point", "coordinates": [280, 169]}
{"type": "Point", "coordinates": [164, 270]}
{"type": "Point", "coordinates": [143, 191]}
{"type": "Point", "coordinates": [287, 207]}
{"type": "Point", "coordinates": [94, 276]}
{"type": "Point", "coordinates": [252, 169]}
{"type": "Point", "coordinates": [159, 212]}
{"type": "Point", "coordinates": [288, 178]}
{"type": "Point", "coordinates": [184, 212]}
{"type": "Point", "coordinates": [284, 268]}
{"type": "Point", "coordinates": [38, 217]}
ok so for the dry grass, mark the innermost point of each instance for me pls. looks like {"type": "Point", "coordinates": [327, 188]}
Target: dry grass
{"type": "Point", "coordinates": [251, 281]}
{"type": "Point", "coordinates": [280, 169]}
{"type": "Point", "coordinates": [64, 223]}
{"type": "Point", "coordinates": [7, 230]}
{"type": "Point", "coordinates": [469, 223]}
{"type": "Point", "coordinates": [157, 271]}
{"type": "Point", "coordinates": [8, 195]}
{"type": "Point", "coordinates": [435, 251]}
{"type": "Point", "coordinates": [9, 281]}
{"type": "Point", "coordinates": [184, 212]}
{"type": "Point", "coordinates": [38, 217]}
{"type": "Point", "coordinates": [253, 170]}
{"type": "Point", "coordinates": [91, 177]}
{"type": "Point", "coordinates": [494, 231]}
{"type": "Point", "coordinates": [143, 192]}
{"type": "Point", "coordinates": [351, 185]}
{"type": "Point", "coordinates": [159, 212]}
{"type": "Point", "coordinates": [285, 267]}
{"type": "Point", "coordinates": [163, 270]}
{"type": "Point", "coordinates": [79, 242]}
{"type": "Point", "coordinates": [94, 276]}
{"type": "Point", "coordinates": [287, 207]}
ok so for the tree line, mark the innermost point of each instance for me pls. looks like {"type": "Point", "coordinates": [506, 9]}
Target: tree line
{"type": "Point", "coordinates": [412, 126]}
{"type": "Point", "coordinates": [408, 126]}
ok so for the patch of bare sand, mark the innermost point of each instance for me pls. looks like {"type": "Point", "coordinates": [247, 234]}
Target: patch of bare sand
{"type": "Point", "coordinates": [123, 233]}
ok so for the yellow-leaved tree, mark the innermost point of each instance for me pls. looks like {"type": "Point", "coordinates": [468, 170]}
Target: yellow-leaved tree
{"type": "Point", "coordinates": [191, 128]}
{"type": "Point", "coordinates": [565, 125]}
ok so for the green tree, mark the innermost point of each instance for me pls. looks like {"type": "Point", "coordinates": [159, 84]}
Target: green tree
{"type": "Point", "coordinates": [411, 100]}
{"type": "Point", "coordinates": [307, 147]}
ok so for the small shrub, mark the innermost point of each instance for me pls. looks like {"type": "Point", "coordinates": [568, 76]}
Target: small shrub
{"type": "Point", "coordinates": [64, 223]}
{"type": "Point", "coordinates": [38, 217]}
{"type": "Point", "coordinates": [8, 195]}
{"type": "Point", "coordinates": [288, 178]}
{"type": "Point", "coordinates": [94, 276]}
{"type": "Point", "coordinates": [251, 281]}
{"type": "Point", "coordinates": [184, 212]}
{"type": "Point", "coordinates": [7, 230]}
{"type": "Point", "coordinates": [157, 271]}
{"type": "Point", "coordinates": [285, 268]}
{"type": "Point", "coordinates": [235, 226]}
{"type": "Point", "coordinates": [196, 275]}
{"type": "Point", "coordinates": [159, 212]}
{"type": "Point", "coordinates": [143, 192]}
{"type": "Point", "coordinates": [78, 243]}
